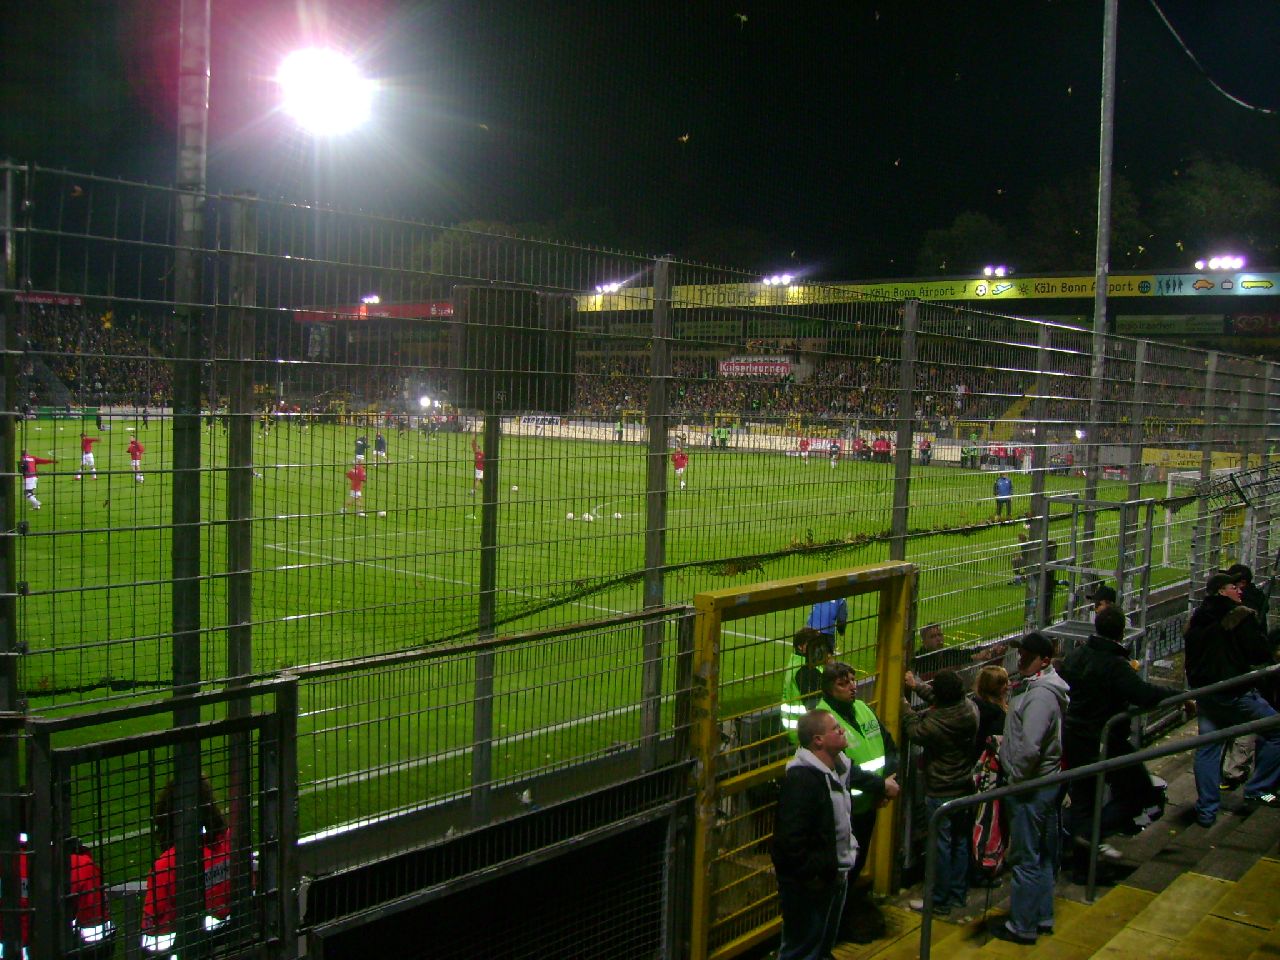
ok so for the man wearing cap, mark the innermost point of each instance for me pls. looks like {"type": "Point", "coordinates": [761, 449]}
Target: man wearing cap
{"type": "Point", "coordinates": [1032, 748]}
{"type": "Point", "coordinates": [1237, 754]}
{"type": "Point", "coordinates": [802, 677]}
{"type": "Point", "coordinates": [1225, 639]}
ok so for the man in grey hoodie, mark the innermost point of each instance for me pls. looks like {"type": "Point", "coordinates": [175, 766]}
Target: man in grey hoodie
{"type": "Point", "coordinates": [1032, 748]}
{"type": "Point", "coordinates": [813, 843]}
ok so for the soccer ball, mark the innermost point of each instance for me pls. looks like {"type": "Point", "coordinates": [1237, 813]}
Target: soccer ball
{"type": "Point", "coordinates": [588, 517]}
{"type": "Point", "coordinates": [617, 516]}
{"type": "Point", "coordinates": [568, 516]}
{"type": "Point", "coordinates": [515, 489]}
{"type": "Point", "coordinates": [382, 513]}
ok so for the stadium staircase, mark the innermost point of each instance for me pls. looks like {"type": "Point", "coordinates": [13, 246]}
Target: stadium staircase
{"type": "Point", "coordinates": [1004, 428]}
{"type": "Point", "coordinates": [1189, 892]}
{"type": "Point", "coordinates": [49, 389]}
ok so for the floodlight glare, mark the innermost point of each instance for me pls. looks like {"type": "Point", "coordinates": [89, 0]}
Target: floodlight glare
{"type": "Point", "coordinates": [1200, 264]}
{"type": "Point", "coordinates": [424, 402]}
{"type": "Point", "coordinates": [371, 298]}
{"type": "Point", "coordinates": [1238, 263]}
{"type": "Point", "coordinates": [324, 91]}
{"type": "Point", "coordinates": [612, 287]}
{"type": "Point", "coordinates": [1214, 263]}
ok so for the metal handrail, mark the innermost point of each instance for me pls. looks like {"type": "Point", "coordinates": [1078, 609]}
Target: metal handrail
{"type": "Point", "coordinates": [1054, 779]}
{"type": "Point", "coordinates": [1095, 829]}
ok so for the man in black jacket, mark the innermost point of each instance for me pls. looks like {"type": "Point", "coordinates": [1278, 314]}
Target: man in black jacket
{"type": "Point", "coordinates": [1225, 639]}
{"type": "Point", "coordinates": [1103, 684]}
{"type": "Point", "coordinates": [813, 843]}
{"type": "Point", "coordinates": [1237, 754]}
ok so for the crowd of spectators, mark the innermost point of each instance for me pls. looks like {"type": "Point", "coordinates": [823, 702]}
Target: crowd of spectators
{"type": "Point", "coordinates": [101, 357]}
{"type": "Point", "coordinates": [109, 357]}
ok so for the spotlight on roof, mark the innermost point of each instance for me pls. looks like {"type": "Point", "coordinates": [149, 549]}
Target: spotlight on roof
{"type": "Point", "coordinates": [996, 270]}
{"type": "Point", "coordinates": [778, 280]}
{"type": "Point", "coordinates": [1229, 261]}
{"type": "Point", "coordinates": [371, 298]}
{"type": "Point", "coordinates": [612, 287]}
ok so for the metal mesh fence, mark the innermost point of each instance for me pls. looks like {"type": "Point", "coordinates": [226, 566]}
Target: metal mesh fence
{"type": "Point", "coordinates": [164, 838]}
{"type": "Point", "coordinates": [372, 438]}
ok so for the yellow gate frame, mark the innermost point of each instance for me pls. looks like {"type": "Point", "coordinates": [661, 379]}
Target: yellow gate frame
{"type": "Point", "coordinates": [895, 583]}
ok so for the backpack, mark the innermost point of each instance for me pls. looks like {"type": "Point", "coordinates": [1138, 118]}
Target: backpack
{"type": "Point", "coordinates": [990, 841]}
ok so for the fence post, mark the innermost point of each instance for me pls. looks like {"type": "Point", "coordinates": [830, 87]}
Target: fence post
{"type": "Point", "coordinates": [1035, 605]}
{"type": "Point", "coordinates": [1201, 553]}
{"type": "Point", "coordinates": [10, 776]}
{"type": "Point", "coordinates": [655, 533]}
{"type": "Point", "coordinates": [1264, 539]}
{"type": "Point", "coordinates": [906, 421]}
{"type": "Point", "coordinates": [241, 341]}
{"type": "Point", "coordinates": [482, 701]}
{"type": "Point", "coordinates": [704, 702]}
{"type": "Point", "coordinates": [188, 263]}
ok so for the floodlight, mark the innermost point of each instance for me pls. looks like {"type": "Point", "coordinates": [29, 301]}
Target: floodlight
{"type": "Point", "coordinates": [1200, 264]}
{"type": "Point", "coordinates": [371, 298]}
{"type": "Point", "coordinates": [324, 91]}
{"type": "Point", "coordinates": [1215, 262]}
{"type": "Point", "coordinates": [424, 403]}
{"type": "Point", "coordinates": [1079, 434]}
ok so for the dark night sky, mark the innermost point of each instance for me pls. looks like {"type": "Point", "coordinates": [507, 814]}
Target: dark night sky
{"type": "Point", "coordinates": [840, 131]}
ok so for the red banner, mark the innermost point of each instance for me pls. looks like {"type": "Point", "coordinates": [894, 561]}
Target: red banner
{"type": "Point", "coordinates": [49, 299]}
{"type": "Point", "coordinates": [755, 367]}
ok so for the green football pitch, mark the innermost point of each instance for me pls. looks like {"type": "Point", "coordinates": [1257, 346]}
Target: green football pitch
{"type": "Point", "coordinates": [334, 580]}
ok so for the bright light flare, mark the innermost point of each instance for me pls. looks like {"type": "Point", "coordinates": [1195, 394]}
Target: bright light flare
{"type": "Point", "coordinates": [424, 403]}
{"type": "Point", "coordinates": [324, 91]}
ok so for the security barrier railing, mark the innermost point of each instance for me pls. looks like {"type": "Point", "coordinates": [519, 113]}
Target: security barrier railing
{"type": "Point", "coordinates": [1100, 767]}
{"type": "Point", "coordinates": [1237, 684]}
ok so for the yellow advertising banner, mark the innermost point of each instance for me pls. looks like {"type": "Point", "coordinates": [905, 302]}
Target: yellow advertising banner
{"type": "Point", "coordinates": [1190, 459]}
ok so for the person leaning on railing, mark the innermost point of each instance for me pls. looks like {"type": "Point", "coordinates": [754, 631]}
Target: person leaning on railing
{"type": "Point", "coordinates": [1225, 639]}
{"type": "Point", "coordinates": [947, 730]}
{"type": "Point", "coordinates": [1103, 684]}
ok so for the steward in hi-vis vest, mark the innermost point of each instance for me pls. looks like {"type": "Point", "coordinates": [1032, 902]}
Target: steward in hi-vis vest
{"type": "Point", "coordinates": [802, 677]}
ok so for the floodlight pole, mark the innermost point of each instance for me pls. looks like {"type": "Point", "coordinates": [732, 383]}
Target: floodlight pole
{"type": "Point", "coordinates": [1102, 257]}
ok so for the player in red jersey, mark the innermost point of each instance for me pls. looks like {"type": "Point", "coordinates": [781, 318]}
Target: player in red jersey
{"type": "Point", "coordinates": [680, 460]}
{"type": "Point", "coordinates": [27, 465]}
{"type": "Point", "coordinates": [356, 477]}
{"type": "Point", "coordinates": [804, 450]}
{"type": "Point", "coordinates": [136, 450]}
{"type": "Point", "coordinates": [479, 464]}
{"type": "Point", "coordinates": [86, 456]}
